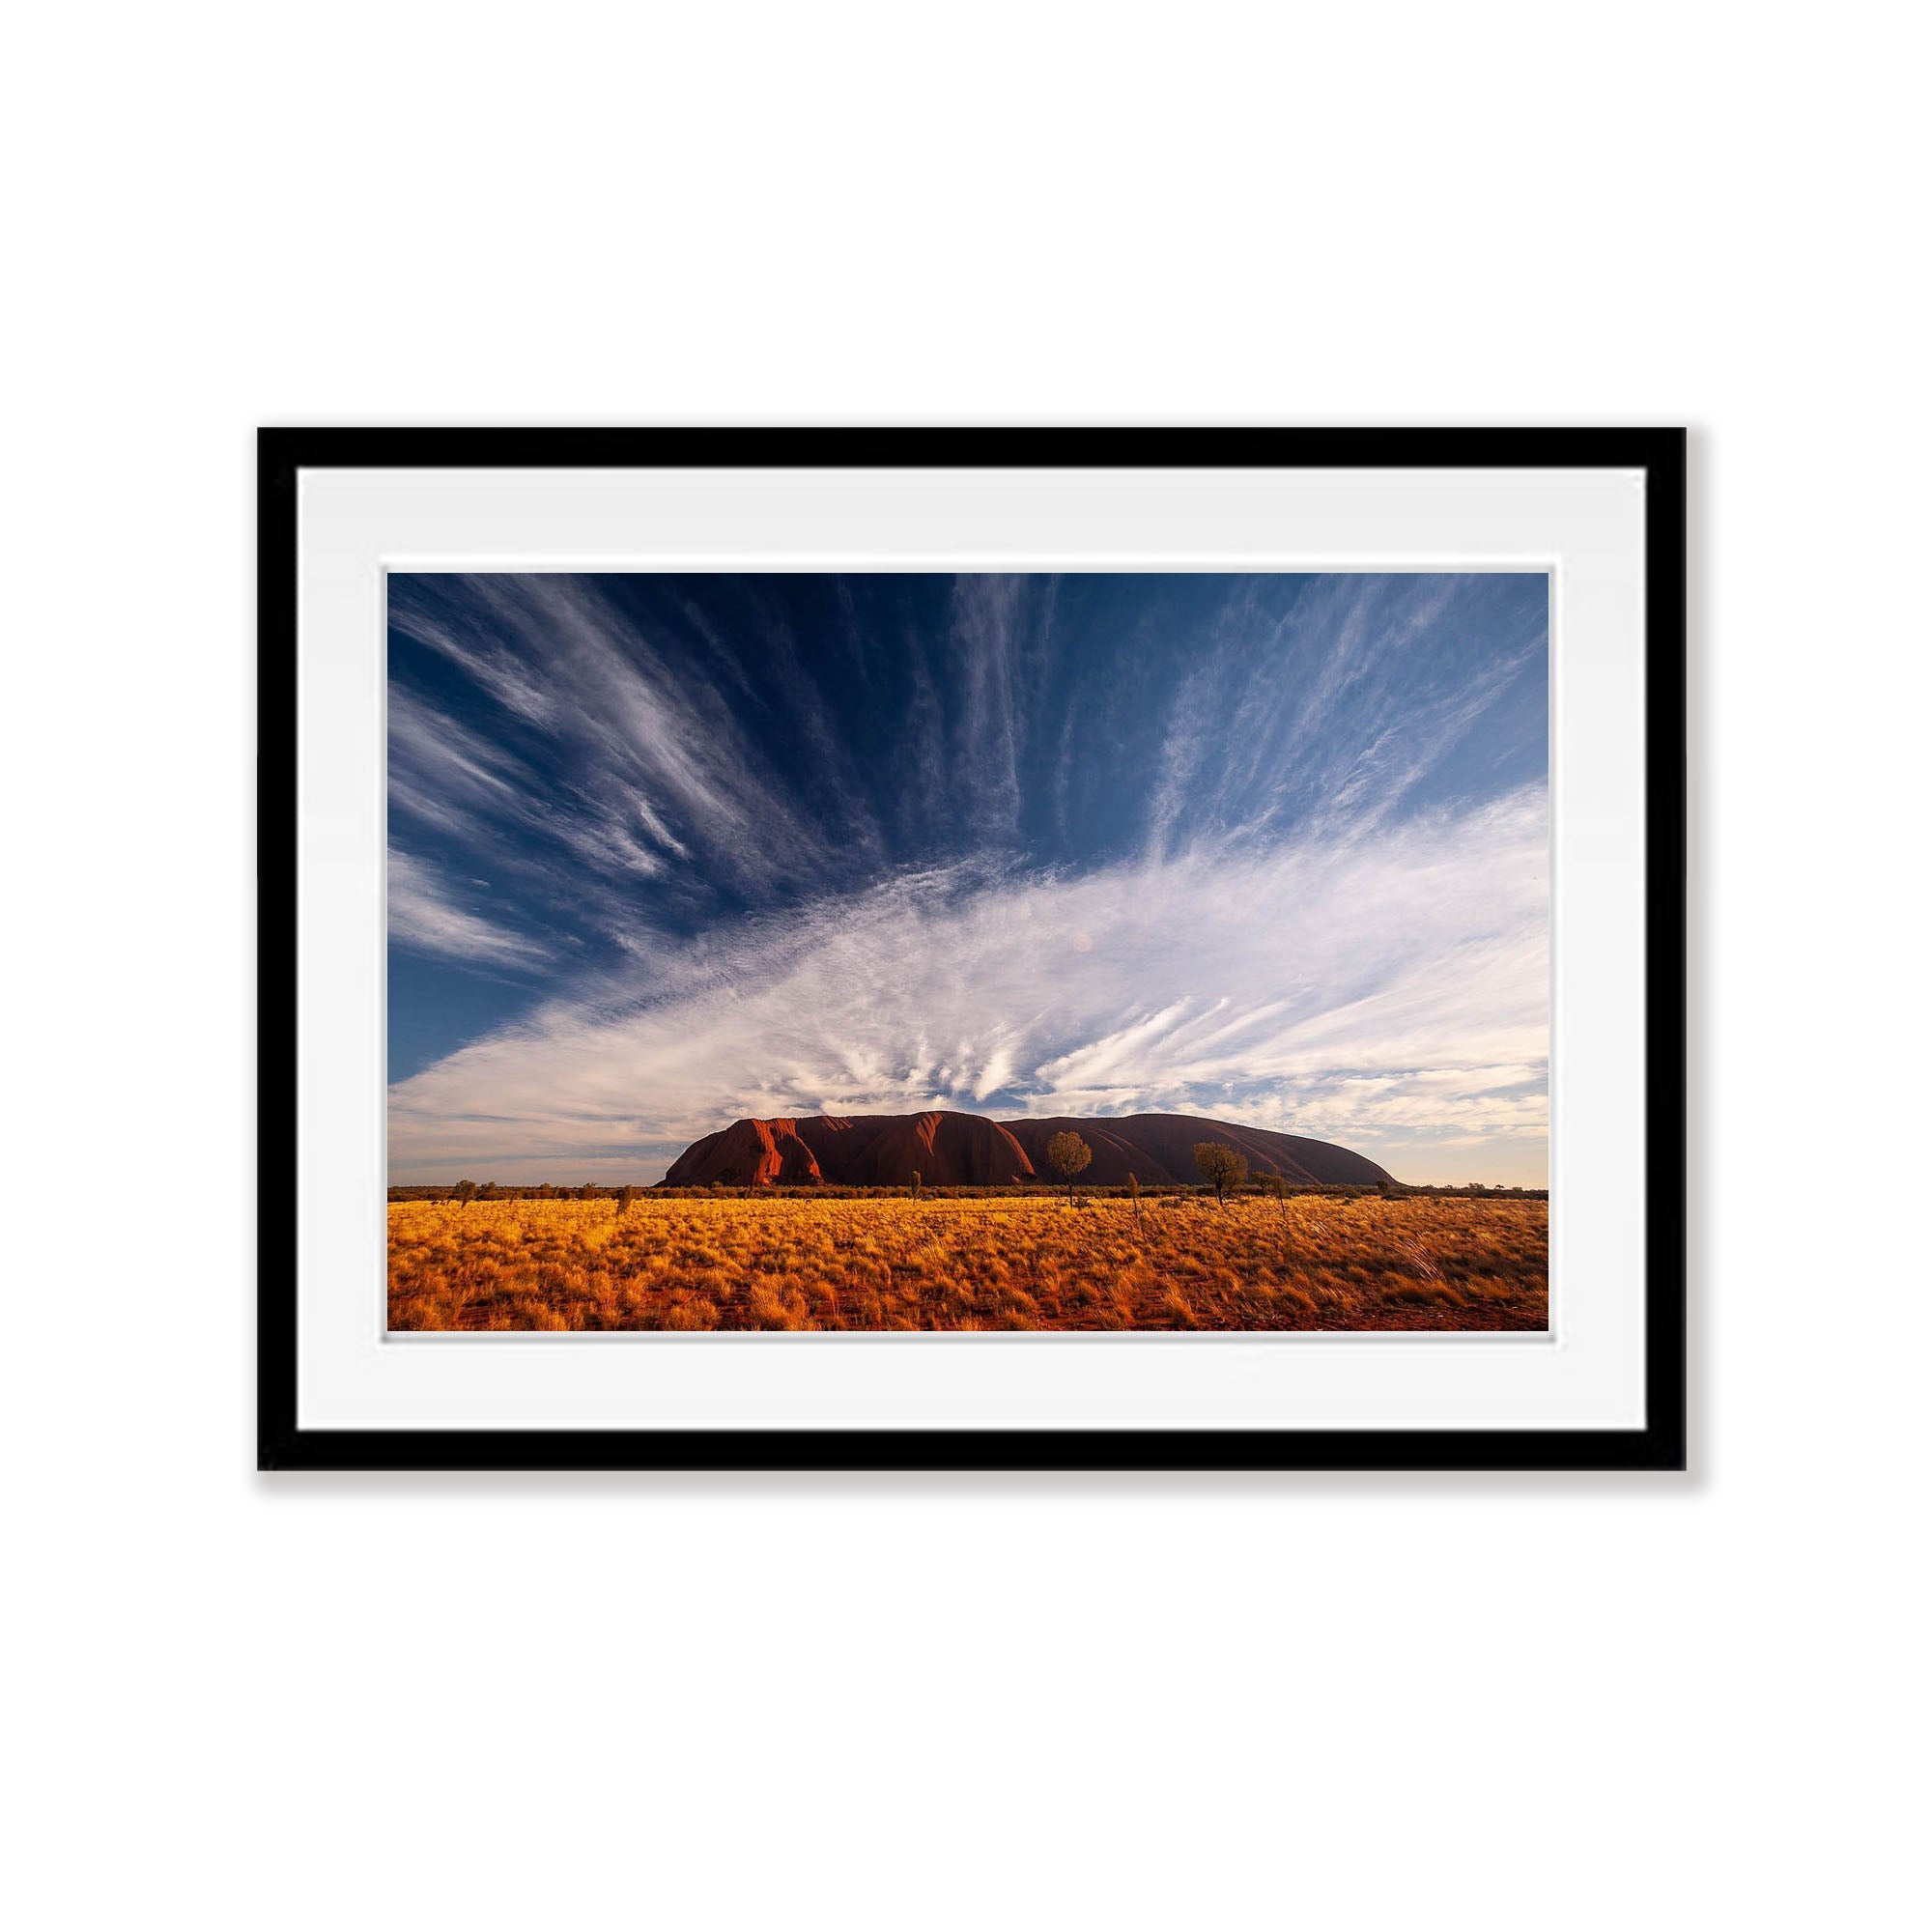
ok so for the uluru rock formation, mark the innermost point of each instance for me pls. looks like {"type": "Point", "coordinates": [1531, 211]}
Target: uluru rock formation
{"type": "Point", "coordinates": [949, 1150]}
{"type": "Point", "coordinates": [887, 1149]}
{"type": "Point", "coordinates": [747, 1154]}
{"type": "Point", "coordinates": [1160, 1148]}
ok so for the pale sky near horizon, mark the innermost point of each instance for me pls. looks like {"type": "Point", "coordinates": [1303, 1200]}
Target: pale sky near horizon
{"type": "Point", "coordinates": [666, 851]}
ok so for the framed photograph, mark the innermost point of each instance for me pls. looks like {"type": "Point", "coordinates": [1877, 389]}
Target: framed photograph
{"type": "Point", "coordinates": [972, 948]}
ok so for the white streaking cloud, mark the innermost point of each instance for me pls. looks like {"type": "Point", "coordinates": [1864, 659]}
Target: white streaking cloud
{"type": "Point", "coordinates": [1386, 989]}
{"type": "Point", "coordinates": [424, 917]}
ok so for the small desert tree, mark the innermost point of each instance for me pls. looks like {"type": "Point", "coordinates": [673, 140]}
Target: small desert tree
{"type": "Point", "coordinates": [918, 1182]}
{"type": "Point", "coordinates": [626, 1198]}
{"type": "Point", "coordinates": [1221, 1166]}
{"type": "Point", "coordinates": [465, 1192]}
{"type": "Point", "coordinates": [1274, 1184]}
{"type": "Point", "coordinates": [1134, 1195]}
{"type": "Point", "coordinates": [1067, 1155]}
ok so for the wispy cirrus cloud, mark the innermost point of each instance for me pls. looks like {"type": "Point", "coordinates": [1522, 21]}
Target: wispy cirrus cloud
{"type": "Point", "coordinates": [425, 916]}
{"type": "Point", "coordinates": [1389, 990]}
{"type": "Point", "coordinates": [610, 747]}
{"type": "Point", "coordinates": [1267, 848]}
{"type": "Point", "coordinates": [1002, 648]}
{"type": "Point", "coordinates": [1336, 710]}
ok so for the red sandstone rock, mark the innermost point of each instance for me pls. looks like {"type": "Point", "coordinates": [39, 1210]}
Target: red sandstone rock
{"type": "Point", "coordinates": [951, 1150]}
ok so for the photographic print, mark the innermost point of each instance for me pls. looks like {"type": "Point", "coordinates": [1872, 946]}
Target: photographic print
{"type": "Point", "coordinates": [1126, 952]}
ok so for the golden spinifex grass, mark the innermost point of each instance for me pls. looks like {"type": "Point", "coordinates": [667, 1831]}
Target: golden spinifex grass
{"type": "Point", "coordinates": [1026, 1263]}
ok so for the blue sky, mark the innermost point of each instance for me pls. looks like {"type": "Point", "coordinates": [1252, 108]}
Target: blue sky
{"type": "Point", "coordinates": [667, 850]}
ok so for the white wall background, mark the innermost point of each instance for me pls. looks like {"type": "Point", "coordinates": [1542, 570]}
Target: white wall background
{"type": "Point", "coordinates": [1500, 1703]}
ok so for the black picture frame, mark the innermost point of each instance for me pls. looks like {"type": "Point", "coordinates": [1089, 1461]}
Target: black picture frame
{"type": "Point", "coordinates": [1659, 1444]}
